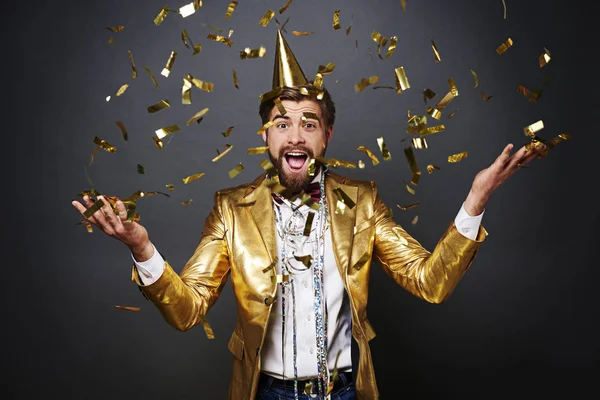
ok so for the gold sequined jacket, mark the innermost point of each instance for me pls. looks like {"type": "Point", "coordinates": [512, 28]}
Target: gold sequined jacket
{"type": "Point", "coordinates": [238, 240]}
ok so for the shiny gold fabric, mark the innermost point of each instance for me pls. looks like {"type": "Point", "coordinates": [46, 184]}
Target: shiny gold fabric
{"type": "Point", "coordinates": [239, 240]}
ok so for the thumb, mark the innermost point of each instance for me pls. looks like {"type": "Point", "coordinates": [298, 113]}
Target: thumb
{"type": "Point", "coordinates": [121, 210]}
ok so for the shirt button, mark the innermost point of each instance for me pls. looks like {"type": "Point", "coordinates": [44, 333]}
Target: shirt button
{"type": "Point", "coordinates": [308, 318]}
{"type": "Point", "coordinates": [312, 351]}
{"type": "Point", "coordinates": [305, 283]}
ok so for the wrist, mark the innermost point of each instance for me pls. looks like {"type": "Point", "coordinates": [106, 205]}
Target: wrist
{"type": "Point", "coordinates": [475, 203]}
{"type": "Point", "coordinates": [143, 251]}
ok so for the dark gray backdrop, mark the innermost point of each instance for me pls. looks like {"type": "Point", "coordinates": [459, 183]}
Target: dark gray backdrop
{"type": "Point", "coordinates": [523, 316]}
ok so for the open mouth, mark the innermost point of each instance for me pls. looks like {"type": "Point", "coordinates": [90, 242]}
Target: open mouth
{"type": "Point", "coordinates": [296, 160]}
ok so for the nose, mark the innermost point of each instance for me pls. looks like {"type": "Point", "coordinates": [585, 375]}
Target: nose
{"type": "Point", "coordinates": [296, 135]}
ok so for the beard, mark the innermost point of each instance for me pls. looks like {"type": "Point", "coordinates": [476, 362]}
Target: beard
{"type": "Point", "coordinates": [293, 182]}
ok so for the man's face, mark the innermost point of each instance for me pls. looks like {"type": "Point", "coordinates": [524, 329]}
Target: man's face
{"type": "Point", "coordinates": [293, 142]}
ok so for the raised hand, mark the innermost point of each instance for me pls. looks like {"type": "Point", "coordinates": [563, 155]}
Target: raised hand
{"type": "Point", "coordinates": [490, 178]}
{"type": "Point", "coordinates": [116, 225]}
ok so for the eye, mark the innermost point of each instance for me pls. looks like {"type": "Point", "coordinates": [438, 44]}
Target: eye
{"type": "Point", "coordinates": [281, 125]}
{"type": "Point", "coordinates": [309, 125]}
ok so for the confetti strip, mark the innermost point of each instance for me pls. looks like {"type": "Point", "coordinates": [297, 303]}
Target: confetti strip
{"type": "Point", "coordinates": [122, 89]}
{"type": "Point", "coordinates": [151, 77]}
{"type": "Point", "coordinates": [431, 168]}
{"type": "Point", "coordinates": [167, 130]}
{"type": "Point", "coordinates": [384, 150]}
{"type": "Point", "coordinates": [161, 105]}
{"type": "Point", "coordinates": [285, 6]}
{"type": "Point", "coordinates": [134, 73]}
{"type": "Point", "coordinates": [167, 69]}
{"type": "Point", "coordinates": [228, 131]}
{"type": "Point", "coordinates": [401, 80]}
{"type": "Point", "coordinates": [504, 46]}
{"type": "Point", "coordinates": [140, 169]}
{"type": "Point", "coordinates": [253, 53]}
{"type": "Point", "coordinates": [364, 82]}
{"type": "Point", "coordinates": [298, 33]}
{"type": "Point", "coordinates": [336, 20]}
{"type": "Point", "coordinates": [104, 145]}
{"type": "Point", "coordinates": [217, 158]}
{"type": "Point", "coordinates": [408, 207]}
{"type": "Point", "coordinates": [122, 128]}
{"type": "Point", "coordinates": [127, 308]}
{"type": "Point", "coordinates": [230, 9]}
{"type": "Point", "coordinates": [235, 79]}
{"type": "Point", "coordinates": [454, 158]}
{"type": "Point", "coordinates": [192, 178]}
{"type": "Point", "coordinates": [264, 21]}
{"type": "Point", "coordinates": [544, 57]}
{"type": "Point", "coordinates": [436, 53]}
{"type": "Point", "coordinates": [534, 128]}
{"type": "Point", "coordinates": [161, 16]}
{"type": "Point", "coordinates": [504, 5]}
{"type": "Point", "coordinates": [476, 79]}
{"type": "Point", "coordinates": [117, 28]}
{"type": "Point", "coordinates": [197, 117]}
{"type": "Point", "coordinates": [235, 171]}
{"type": "Point", "coordinates": [220, 38]}
{"type": "Point", "coordinates": [372, 156]}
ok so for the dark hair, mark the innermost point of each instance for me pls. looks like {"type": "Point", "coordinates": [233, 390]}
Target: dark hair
{"type": "Point", "coordinates": [326, 104]}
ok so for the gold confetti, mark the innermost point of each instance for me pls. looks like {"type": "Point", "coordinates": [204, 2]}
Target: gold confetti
{"type": "Point", "coordinates": [264, 21]}
{"type": "Point", "coordinates": [192, 178]}
{"type": "Point", "coordinates": [453, 87]}
{"type": "Point", "coordinates": [230, 32]}
{"type": "Point", "coordinates": [280, 106]}
{"type": "Point", "coordinates": [230, 9]}
{"type": "Point", "coordinates": [308, 225]}
{"type": "Point", "coordinates": [282, 27]}
{"type": "Point", "coordinates": [170, 187]}
{"type": "Point", "coordinates": [419, 143]}
{"type": "Point", "coordinates": [122, 89]}
{"type": "Point", "coordinates": [228, 131]}
{"type": "Point", "coordinates": [202, 85]}
{"type": "Point", "coordinates": [122, 128]}
{"type": "Point", "coordinates": [432, 129]}
{"type": "Point", "coordinates": [431, 167]}
{"type": "Point", "coordinates": [198, 116]}
{"type": "Point", "coordinates": [167, 69]}
{"type": "Point", "coordinates": [118, 28]}
{"type": "Point", "coordinates": [217, 158]}
{"type": "Point", "coordinates": [151, 76]}
{"type": "Point", "coordinates": [253, 53]}
{"type": "Point", "coordinates": [186, 91]}
{"type": "Point", "coordinates": [504, 5]}
{"type": "Point", "coordinates": [436, 54]}
{"type": "Point", "coordinates": [326, 69]}
{"type": "Point", "coordinates": [207, 329]}
{"type": "Point", "coordinates": [285, 6]}
{"type": "Point", "coordinates": [280, 278]}
{"type": "Point", "coordinates": [305, 260]}
{"type": "Point", "coordinates": [235, 170]}
{"type": "Point", "coordinates": [392, 48]}
{"type": "Point", "coordinates": [401, 80]}
{"type": "Point", "coordinates": [364, 82]}
{"type": "Point", "coordinates": [485, 97]}
{"type": "Point", "coordinates": [299, 33]}
{"type": "Point", "coordinates": [258, 150]}
{"type": "Point", "coordinates": [457, 157]}
{"type": "Point", "coordinates": [88, 226]}
{"type": "Point", "coordinates": [532, 95]}
{"type": "Point", "coordinates": [412, 162]}
{"type": "Point", "coordinates": [235, 80]}
{"type": "Point", "coordinates": [161, 105]}
{"type": "Point", "coordinates": [309, 115]}
{"type": "Point", "coordinates": [403, 4]}
{"type": "Point", "coordinates": [267, 166]}
{"type": "Point", "coordinates": [107, 99]}
{"type": "Point", "coordinates": [140, 169]}
{"type": "Point", "coordinates": [189, 9]}
{"type": "Point", "coordinates": [544, 58]}
{"type": "Point", "coordinates": [336, 20]}
{"type": "Point", "coordinates": [415, 219]}
{"type": "Point", "coordinates": [334, 163]}
{"type": "Point", "coordinates": [476, 79]}
{"type": "Point", "coordinates": [384, 150]}
{"type": "Point", "coordinates": [161, 16]}
{"type": "Point", "coordinates": [104, 145]}
{"type": "Point", "coordinates": [311, 169]}
{"type": "Point", "coordinates": [127, 308]}
{"type": "Point", "coordinates": [134, 73]}
{"type": "Point", "coordinates": [372, 156]}
{"type": "Point", "coordinates": [532, 129]}
{"type": "Point", "coordinates": [186, 203]}
{"type": "Point", "coordinates": [265, 126]}
{"type": "Point", "coordinates": [184, 38]}
{"type": "Point", "coordinates": [451, 114]}
{"type": "Point", "coordinates": [428, 94]}
{"type": "Point", "coordinates": [378, 38]}
{"type": "Point", "coordinates": [220, 38]}
{"type": "Point", "coordinates": [504, 46]}
{"type": "Point", "coordinates": [343, 197]}
{"type": "Point", "coordinates": [167, 130]}
{"type": "Point", "coordinates": [271, 266]}
{"type": "Point", "coordinates": [408, 207]}
{"type": "Point", "coordinates": [408, 188]}
{"type": "Point", "coordinates": [361, 164]}
{"type": "Point", "coordinates": [436, 111]}
{"type": "Point", "coordinates": [348, 29]}
{"type": "Point", "coordinates": [158, 142]}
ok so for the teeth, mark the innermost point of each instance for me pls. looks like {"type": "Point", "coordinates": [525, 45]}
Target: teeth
{"type": "Point", "coordinates": [295, 154]}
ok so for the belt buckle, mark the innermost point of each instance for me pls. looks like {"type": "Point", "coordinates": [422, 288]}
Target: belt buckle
{"type": "Point", "coordinates": [311, 388]}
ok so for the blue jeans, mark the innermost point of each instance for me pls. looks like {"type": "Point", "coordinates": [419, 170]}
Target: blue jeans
{"type": "Point", "coordinates": [266, 391]}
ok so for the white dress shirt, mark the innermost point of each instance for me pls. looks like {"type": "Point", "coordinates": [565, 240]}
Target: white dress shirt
{"type": "Point", "coordinates": [339, 327]}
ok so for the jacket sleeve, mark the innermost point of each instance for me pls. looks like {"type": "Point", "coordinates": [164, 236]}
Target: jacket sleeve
{"type": "Point", "coordinates": [184, 299]}
{"type": "Point", "coordinates": [431, 276]}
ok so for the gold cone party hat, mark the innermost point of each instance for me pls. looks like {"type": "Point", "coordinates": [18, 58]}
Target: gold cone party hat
{"type": "Point", "coordinates": [286, 72]}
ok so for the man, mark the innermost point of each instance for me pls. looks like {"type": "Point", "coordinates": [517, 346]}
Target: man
{"type": "Point", "coordinates": [298, 244]}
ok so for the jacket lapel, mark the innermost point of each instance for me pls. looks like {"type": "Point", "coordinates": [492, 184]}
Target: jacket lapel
{"type": "Point", "coordinates": [342, 225]}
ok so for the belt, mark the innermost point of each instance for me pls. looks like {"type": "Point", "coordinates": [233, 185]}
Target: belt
{"type": "Point", "coordinates": [308, 386]}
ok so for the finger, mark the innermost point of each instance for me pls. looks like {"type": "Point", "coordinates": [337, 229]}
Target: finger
{"type": "Point", "coordinates": [518, 157]}
{"type": "Point", "coordinates": [109, 214]}
{"type": "Point", "coordinates": [536, 152]}
{"type": "Point", "coordinates": [505, 155]}
{"type": "Point", "coordinates": [121, 211]}
{"type": "Point", "coordinates": [81, 208]}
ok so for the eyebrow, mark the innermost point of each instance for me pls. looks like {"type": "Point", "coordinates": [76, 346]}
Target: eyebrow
{"type": "Point", "coordinates": [281, 116]}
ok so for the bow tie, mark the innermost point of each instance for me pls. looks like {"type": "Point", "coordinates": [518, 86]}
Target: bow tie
{"type": "Point", "coordinates": [313, 190]}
